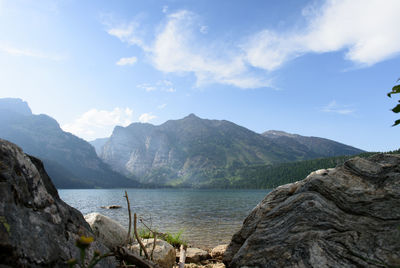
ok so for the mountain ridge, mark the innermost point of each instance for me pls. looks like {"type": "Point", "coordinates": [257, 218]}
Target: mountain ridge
{"type": "Point", "coordinates": [182, 152]}
{"type": "Point", "coordinates": [70, 160]}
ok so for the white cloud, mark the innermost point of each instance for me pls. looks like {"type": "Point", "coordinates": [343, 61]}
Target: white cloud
{"type": "Point", "coordinates": [165, 9]}
{"type": "Point", "coordinates": [29, 53]}
{"type": "Point", "coordinates": [174, 50]}
{"type": "Point", "coordinates": [208, 65]}
{"type": "Point", "coordinates": [146, 117]}
{"type": "Point", "coordinates": [162, 85]}
{"type": "Point", "coordinates": [147, 87]}
{"type": "Point", "coordinates": [162, 106]}
{"type": "Point", "coordinates": [126, 61]}
{"type": "Point", "coordinates": [366, 29]}
{"type": "Point", "coordinates": [333, 107]}
{"type": "Point", "coordinates": [129, 33]}
{"type": "Point", "coordinates": [99, 123]}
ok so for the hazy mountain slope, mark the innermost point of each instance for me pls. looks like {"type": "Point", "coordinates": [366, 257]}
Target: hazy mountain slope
{"type": "Point", "coordinates": [41, 136]}
{"type": "Point", "coordinates": [98, 144]}
{"type": "Point", "coordinates": [314, 145]}
{"type": "Point", "coordinates": [189, 151]}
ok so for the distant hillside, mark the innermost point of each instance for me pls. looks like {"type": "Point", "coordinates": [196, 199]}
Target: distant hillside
{"type": "Point", "coordinates": [70, 161]}
{"type": "Point", "coordinates": [193, 152]}
{"type": "Point", "coordinates": [312, 146]}
{"type": "Point", "coordinates": [98, 144]}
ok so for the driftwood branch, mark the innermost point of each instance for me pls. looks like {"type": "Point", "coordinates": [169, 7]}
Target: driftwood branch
{"type": "Point", "coordinates": [138, 237]}
{"type": "Point", "coordinates": [154, 246]}
{"type": "Point", "coordinates": [182, 257]}
{"type": "Point", "coordinates": [123, 254]}
{"type": "Point", "coordinates": [128, 238]}
{"type": "Point", "coordinates": [154, 236]}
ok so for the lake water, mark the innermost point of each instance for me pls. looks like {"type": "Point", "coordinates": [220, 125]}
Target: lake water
{"type": "Point", "coordinates": [206, 217]}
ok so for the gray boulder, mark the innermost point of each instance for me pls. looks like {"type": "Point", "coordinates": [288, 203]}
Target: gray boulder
{"type": "Point", "coordinates": [37, 229]}
{"type": "Point", "coordinates": [348, 216]}
{"type": "Point", "coordinates": [163, 255]}
{"type": "Point", "coordinates": [195, 255]}
{"type": "Point", "coordinates": [108, 231]}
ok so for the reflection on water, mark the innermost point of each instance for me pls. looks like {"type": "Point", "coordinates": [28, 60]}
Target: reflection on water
{"type": "Point", "coordinates": [207, 217]}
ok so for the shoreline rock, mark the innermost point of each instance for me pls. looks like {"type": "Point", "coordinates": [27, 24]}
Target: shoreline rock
{"type": "Point", "coordinates": [37, 229]}
{"type": "Point", "coordinates": [342, 217]}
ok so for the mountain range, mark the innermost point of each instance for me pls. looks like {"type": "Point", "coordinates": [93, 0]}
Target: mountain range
{"type": "Point", "coordinates": [189, 152]}
{"type": "Point", "coordinates": [192, 152]}
{"type": "Point", "coordinates": [70, 161]}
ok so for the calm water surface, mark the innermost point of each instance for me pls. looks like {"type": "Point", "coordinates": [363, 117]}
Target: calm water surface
{"type": "Point", "coordinates": [206, 217]}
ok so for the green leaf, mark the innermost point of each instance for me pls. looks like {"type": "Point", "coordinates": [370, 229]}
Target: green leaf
{"type": "Point", "coordinates": [396, 123]}
{"type": "Point", "coordinates": [396, 109]}
{"type": "Point", "coordinates": [395, 90]}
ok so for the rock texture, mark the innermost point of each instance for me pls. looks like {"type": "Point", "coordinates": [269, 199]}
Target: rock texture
{"type": "Point", "coordinates": [195, 255]}
{"type": "Point", "coordinates": [348, 216]}
{"type": "Point", "coordinates": [108, 231]}
{"type": "Point", "coordinates": [37, 229]}
{"type": "Point", "coordinates": [218, 252]}
{"type": "Point", "coordinates": [163, 255]}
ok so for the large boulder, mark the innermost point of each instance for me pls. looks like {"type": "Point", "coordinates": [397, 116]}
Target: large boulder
{"type": "Point", "coordinates": [108, 231]}
{"type": "Point", "coordinates": [195, 255]}
{"type": "Point", "coordinates": [37, 229]}
{"type": "Point", "coordinates": [348, 216]}
{"type": "Point", "coordinates": [163, 255]}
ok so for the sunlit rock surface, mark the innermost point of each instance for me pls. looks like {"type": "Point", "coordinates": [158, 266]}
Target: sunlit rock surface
{"type": "Point", "coordinates": [348, 216]}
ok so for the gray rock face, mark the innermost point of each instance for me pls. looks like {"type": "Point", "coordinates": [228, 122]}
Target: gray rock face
{"type": "Point", "coordinates": [108, 231]}
{"type": "Point", "coordinates": [348, 216]}
{"type": "Point", "coordinates": [37, 229]}
{"type": "Point", "coordinates": [163, 255]}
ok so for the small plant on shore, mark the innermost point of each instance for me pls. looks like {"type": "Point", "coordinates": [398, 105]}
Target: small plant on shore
{"type": "Point", "coordinates": [174, 239]}
{"type": "Point", "coordinates": [83, 243]}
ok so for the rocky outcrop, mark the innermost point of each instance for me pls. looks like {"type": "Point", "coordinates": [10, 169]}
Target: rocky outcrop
{"type": "Point", "coordinates": [163, 255]}
{"type": "Point", "coordinates": [108, 231]}
{"type": "Point", "coordinates": [348, 216]}
{"type": "Point", "coordinates": [37, 229]}
{"type": "Point", "coordinates": [218, 252]}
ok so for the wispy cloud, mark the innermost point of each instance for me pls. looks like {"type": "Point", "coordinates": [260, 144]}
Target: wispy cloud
{"type": "Point", "coordinates": [365, 30]}
{"type": "Point", "coordinates": [162, 85]}
{"type": "Point", "coordinates": [174, 50]}
{"type": "Point", "coordinates": [165, 9]}
{"type": "Point", "coordinates": [162, 106]}
{"type": "Point", "coordinates": [333, 107]}
{"type": "Point", "coordinates": [99, 123]}
{"type": "Point", "coordinates": [126, 61]}
{"type": "Point", "coordinates": [146, 117]}
{"type": "Point", "coordinates": [25, 52]}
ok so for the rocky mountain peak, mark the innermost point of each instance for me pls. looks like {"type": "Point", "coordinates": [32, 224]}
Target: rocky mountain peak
{"type": "Point", "coordinates": [15, 105]}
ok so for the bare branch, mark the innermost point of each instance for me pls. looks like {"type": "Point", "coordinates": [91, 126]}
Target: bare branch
{"type": "Point", "coordinates": [137, 236]}
{"type": "Point", "coordinates": [128, 238]}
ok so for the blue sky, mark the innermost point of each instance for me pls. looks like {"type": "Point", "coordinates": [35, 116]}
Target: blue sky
{"type": "Point", "coordinates": [315, 68]}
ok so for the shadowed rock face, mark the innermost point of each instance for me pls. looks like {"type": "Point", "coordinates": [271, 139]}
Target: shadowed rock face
{"type": "Point", "coordinates": [348, 216]}
{"type": "Point", "coordinates": [37, 229]}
